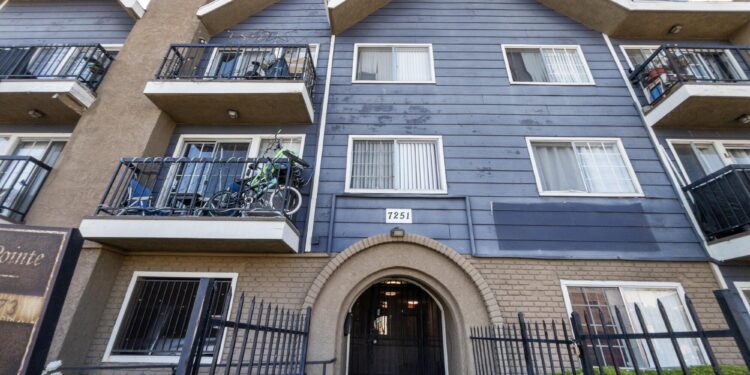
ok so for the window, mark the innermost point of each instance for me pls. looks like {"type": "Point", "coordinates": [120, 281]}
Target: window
{"type": "Point", "coordinates": [21, 180]}
{"type": "Point", "coordinates": [698, 158]}
{"type": "Point", "coordinates": [582, 167]}
{"type": "Point", "coordinates": [547, 65]}
{"type": "Point", "coordinates": [239, 62]}
{"type": "Point", "coordinates": [589, 298]}
{"type": "Point", "coordinates": [405, 165]}
{"type": "Point", "coordinates": [410, 63]}
{"type": "Point", "coordinates": [744, 288]}
{"type": "Point", "coordinates": [154, 317]}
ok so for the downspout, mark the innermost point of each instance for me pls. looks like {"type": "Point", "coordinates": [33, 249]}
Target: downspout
{"type": "Point", "coordinates": [666, 163]}
{"type": "Point", "coordinates": [319, 153]}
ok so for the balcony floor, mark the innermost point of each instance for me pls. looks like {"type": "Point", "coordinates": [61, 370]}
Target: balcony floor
{"type": "Point", "coordinates": [193, 234]}
{"type": "Point", "coordinates": [61, 101]}
{"type": "Point", "coordinates": [701, 106]}
{"type": "Point", "coordinates": [258, 102]}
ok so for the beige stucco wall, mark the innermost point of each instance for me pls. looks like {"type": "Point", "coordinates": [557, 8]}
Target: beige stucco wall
{"type": "Point", "coordinates": [531, 286]}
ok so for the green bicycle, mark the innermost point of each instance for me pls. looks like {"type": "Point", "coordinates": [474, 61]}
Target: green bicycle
{"type": "Point", "coordinates": [270, 186]}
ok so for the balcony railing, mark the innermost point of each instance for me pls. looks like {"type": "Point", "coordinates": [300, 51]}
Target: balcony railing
{"type": "Point", "coordinates": [85, 63]}
{"type": "Point", "coordinates": [721, 201]}
{"type": "Point", "coordinates": [239, 62]}
{"type": "Point", "coordinates": [236, 187]}
{"type": "Point", "coordinates": [671, 66]}
{"type": "Point", "coordinates": [21, 177]}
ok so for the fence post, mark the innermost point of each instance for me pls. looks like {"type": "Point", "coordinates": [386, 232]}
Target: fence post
{"type": "Point", "coordinates": [305, 339]}
{"type": "Point", "coordinates": [732, 307]}
{"type": "Point", "coordinates": [196, 327]}
{"type": "Point", "coordinates": [526, 345]}
{"type": "Point", "coordinates": [586, 365]}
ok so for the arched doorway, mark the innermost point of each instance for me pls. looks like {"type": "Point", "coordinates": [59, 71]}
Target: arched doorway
{"type": "Point", "coordinates": [396, 328]}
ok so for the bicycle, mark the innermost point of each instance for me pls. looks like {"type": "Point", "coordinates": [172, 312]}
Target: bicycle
{"type": "Point", "coordinates": [249, 193]}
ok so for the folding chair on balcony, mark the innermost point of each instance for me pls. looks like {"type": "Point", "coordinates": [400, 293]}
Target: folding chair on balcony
{"type": "Point", "coordinates": [138, 199]}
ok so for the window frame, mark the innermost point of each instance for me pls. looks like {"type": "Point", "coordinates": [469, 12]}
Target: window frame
{"type": "Point", "coordinates": [254, 139]}
{"type": "Point", "coordinates": [577, 47]}
{"type": "Point", "coordinates": [623, 153]}
{"type": "Point", "coordinates": [742, 286]}
{"type": "Point", "coordinates": [719, 145]}
{"type": "Point", "coordinates": [109, 357]}
{"type": "Point", "coordinates": [355, 62]}
{"type": "Point", "coordinates": [15, 138]}
{"type": "Point", "coordinates": [440, 155]}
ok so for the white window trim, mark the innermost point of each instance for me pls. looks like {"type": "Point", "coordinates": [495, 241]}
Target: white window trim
{"type": "Point", "coordinates": [15, 138]}
{"type": "Point", "coordinates": [440, 156]}
{"type": "Point", "coordinates": [727, 51]}
{"type": "Point", "coordinates": [537, 178]}
{"type": "Point", "coordinates": [108, 357]}
{"type": "Point", "coordinates": [740, 286]}
{"type": "Point", "coordinates": [719, 144]}
{"type": "Point", "coordinates": [578, 48]}
{"type": "Point", "coordinates": [356, 62]}
{"type": "Point", "coordinates": [316, 54]}
{"type": "Point", "coordinates": [254, 139]}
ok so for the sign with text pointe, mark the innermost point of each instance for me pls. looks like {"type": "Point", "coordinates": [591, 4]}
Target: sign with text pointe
{"type": "Point", "coordinates": [36, 266]}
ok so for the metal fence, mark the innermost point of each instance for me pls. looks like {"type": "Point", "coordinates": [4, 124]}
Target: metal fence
{"type": "Point", "coordinates": [721, 201]}
{"type": "Point", "coordinates": [671, 66]}
{"type": "Point", "coordinates": [21, 177]}
{"type": "Point", "coordinates": [239, 62]}
{"type": "Point", "coordinates": [85, 63]}
{"type": "Point", "coordinates": [604, 343]}
{"type": "Point", "coordinates": [204, 187]}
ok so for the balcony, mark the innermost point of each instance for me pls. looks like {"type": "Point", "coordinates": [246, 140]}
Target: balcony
{"type": "Point", "coordinates": [49, 84]}
{"type": "Point", "coordinates": [21, 177]}
{"type": "Point", "coordinates": [640, 19]}
{"type": "Point", "coordinates": [231, 84]}
{"type": "Point", "coordinates": [721, 205]}
{"type": "Point", "coordinates": [694, 87]}
{"type": "Point", "coordinates": [235, 205]}
{"type": "Point", "coordinates": [343, 14]}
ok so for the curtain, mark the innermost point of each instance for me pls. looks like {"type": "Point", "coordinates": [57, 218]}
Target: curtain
{"type": "Point", "coordinates": [740, 155]}
{"type": "Point", "coordinates": [526, 65]}
{"type": "Point", "coordinates": [557, 167]}
{"type": "Point", "coordinates": [372, 164]}
{"type": "Point", "coordinates": [418, 168]}
{"type": "Point", "coordinates": [603, 168]}
{"type": "Point", "coordinates": [675, 311]}
{"type": "Point", "coordinates": [375, 64]}
{"type": "Point", "coordinates": [564, 65]}
{"type": "Point", "coordinates": [413, 64]}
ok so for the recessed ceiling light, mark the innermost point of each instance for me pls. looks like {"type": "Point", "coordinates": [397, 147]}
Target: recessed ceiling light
{"type": "Point", "coordinates": [35, 113]}
{"type": "Point", "coordinates": [233, 114]}
{"type": "Point", "coordinates": [676, 28]}
{"type": "Point", "coordinates": [745, 119]}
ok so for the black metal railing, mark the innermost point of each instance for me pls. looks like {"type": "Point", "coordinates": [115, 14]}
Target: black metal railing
{"type": "Point", "coordinates": [604, 342]}
{"type": "Point", "coordinates": [85, 63]}
{"type": "Point", "coordinates": [239, 62]}
{"type": "Point", "coordinates": [204, 187]}
{"type": "Point", "coordinates": [21, 177]}
{"type": "Point", "coordinates": [671, 66]}
{"type": "Point", "coordinates": [721, 201]}
{"type": "Point", "coordinates": [525, 348]}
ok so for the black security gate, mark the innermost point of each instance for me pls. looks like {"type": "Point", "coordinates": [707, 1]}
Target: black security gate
{"type": "Point", "coordinates": [602, 342]}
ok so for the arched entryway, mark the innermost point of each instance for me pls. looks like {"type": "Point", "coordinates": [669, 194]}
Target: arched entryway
{"type": "Point", "coordinates": [396, 328]}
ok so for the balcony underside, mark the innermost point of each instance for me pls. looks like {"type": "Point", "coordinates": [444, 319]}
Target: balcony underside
{"type": "Point", "coordinates": [736, 247]}
{"type": "Point", "coordinates": [61, 101]}
{"type": "Point", "coordinates": [258, 102]}
{"type": "Point", "coordinates": [220, 15]}
{"type": "Point", "coordinates": [344, 14]}
{"type": "Point", "coordinates": [653, 19]}
{"type": "Point", "coordinates": [701, 106]}
{"type": "Point", "coordinates": [193, 234]}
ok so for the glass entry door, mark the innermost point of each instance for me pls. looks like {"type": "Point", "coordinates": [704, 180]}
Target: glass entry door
{"type": "Point", "coordinates": [396, 329]}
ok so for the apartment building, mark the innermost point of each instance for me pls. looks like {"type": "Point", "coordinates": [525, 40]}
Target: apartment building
{"type": "Point", "coordinates": [426, 166]}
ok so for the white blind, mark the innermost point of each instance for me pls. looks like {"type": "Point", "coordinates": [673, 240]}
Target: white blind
{"type": "Point", "coordinates": [405, 165]}
{"type": "Point", "coordinates": [554, 65]}
{"type": "Point", "coordinates": [394, 64]}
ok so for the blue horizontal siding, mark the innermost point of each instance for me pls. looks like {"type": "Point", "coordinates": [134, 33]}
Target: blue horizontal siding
{"type": "Point", "coordinates": [484, 121]}
{"type": "Point", "coordinates": [59, 22]}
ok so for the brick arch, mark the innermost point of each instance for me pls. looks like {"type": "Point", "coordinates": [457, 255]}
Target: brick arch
{"type": "Point", "coordinates": [493, 309]}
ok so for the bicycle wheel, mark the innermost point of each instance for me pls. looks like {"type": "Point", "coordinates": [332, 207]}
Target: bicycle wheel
{"type": "Point", "coordinates": [287, 198]}
{"type": "Point", "coordinates": [224, 203]}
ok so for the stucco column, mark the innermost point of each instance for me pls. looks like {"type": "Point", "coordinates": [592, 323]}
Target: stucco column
{"type": "Point", "coordinates": [122, 121]}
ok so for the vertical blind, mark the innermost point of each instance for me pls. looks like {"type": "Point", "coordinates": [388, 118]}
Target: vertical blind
{"type": "Point", "coordinates": [394, 64]}
{"type": "Point", "coordinates": [587, 166]}
{"type": "Point", "coordinates": [554, 65]}
{"type": "Point", "coordinates": [406, 165]}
